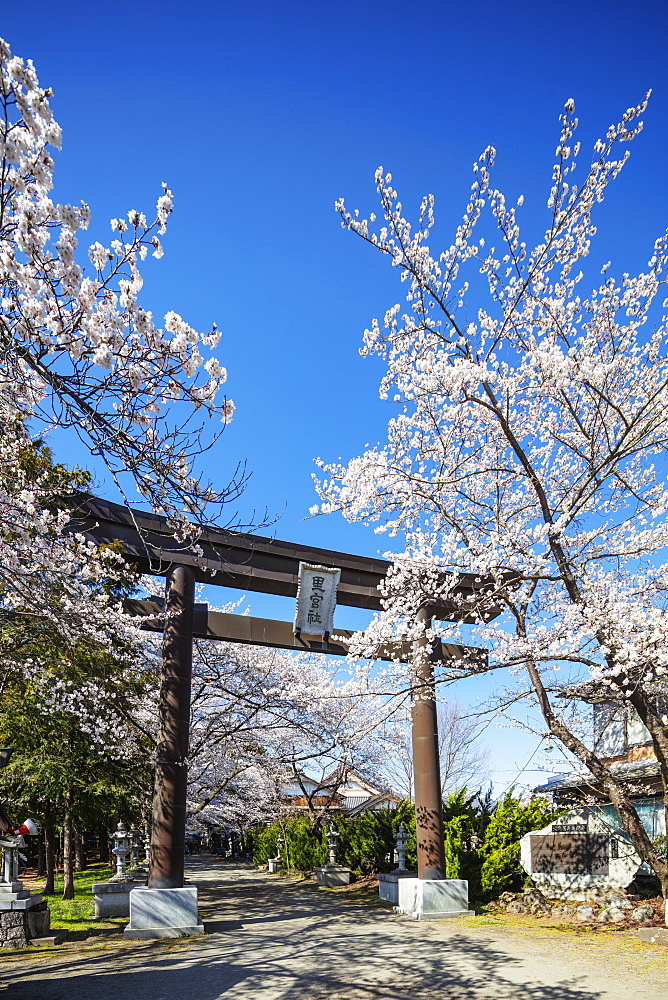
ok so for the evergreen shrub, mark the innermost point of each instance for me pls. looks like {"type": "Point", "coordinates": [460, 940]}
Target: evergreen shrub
{"type": "Point", "coordinates": [366, 842]}
{"type": "Point", "coordinates": [501, 870]}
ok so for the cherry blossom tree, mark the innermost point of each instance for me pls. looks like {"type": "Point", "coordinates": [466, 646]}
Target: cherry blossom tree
{"type": "Point", "coordinates": [47, 574]}
{"type": "Point", "coordinates": [527, 447]}
{"type": "Point", "coordinates": [79, 351]}
{"type": "Point", "coordinates": [259, 716]}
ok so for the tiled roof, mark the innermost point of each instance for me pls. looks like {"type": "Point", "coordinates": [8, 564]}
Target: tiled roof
{"type": "Point", "coordinates": [384, 799]}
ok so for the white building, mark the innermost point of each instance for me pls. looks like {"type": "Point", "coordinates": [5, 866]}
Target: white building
{"type": "Point", "coordinates": [625, 746]}
{"type": "Point", "coordinates": [349, 796]}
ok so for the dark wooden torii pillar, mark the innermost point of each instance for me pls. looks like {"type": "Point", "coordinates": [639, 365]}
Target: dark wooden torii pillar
{"type": "Point", "coordinates": [168, 831]}
{"type": "Point", "coordinates": [426, 765]}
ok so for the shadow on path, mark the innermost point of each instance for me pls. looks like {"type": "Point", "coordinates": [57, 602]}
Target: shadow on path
{"type": "Point", "coordinates": [273, 940]}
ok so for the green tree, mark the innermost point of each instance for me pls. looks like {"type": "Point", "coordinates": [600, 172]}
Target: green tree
{"type": "Point", "coordinates": [501, 869]}
{"type": "Point", "coordinates": [67, 707]}
{"type": "Point", "coordinates": [78, 763]}
{"type": "Point", "coordinates": [303, 848]}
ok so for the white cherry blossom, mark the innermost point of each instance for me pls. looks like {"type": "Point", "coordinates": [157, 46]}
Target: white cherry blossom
{"type": "Point", "coordinates": [78, 350]}
{"type": "Point", "coordinates": [527, 445]}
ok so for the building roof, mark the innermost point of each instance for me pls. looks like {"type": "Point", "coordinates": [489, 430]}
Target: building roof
{"type": "Point", "coordinates": [354, 807]}
{"type": "Point", "coordinates": [350, 801]}
{"type": "Point", "coordinates": [630, 771]}
{"type": "Point", "coordinates": [354, 777]}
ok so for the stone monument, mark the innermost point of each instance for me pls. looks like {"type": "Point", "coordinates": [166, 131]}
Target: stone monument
{"type": "Point", "coordinates": [579, 856]}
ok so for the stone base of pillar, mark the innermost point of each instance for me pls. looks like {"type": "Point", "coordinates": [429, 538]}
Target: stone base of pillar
{"type": "Point", "coordinates": [332, 875]}
{"type": "Point", "coordinates": [275, 866]}
{"type": "Point", "coordinates": [21, 925]}
{"type": "Point", "coordinates": [157, 913]}
{"type": "Point", "coordinates": [388, 887]}
{"type": "Point", "coordinates": [431, 899]}
{"type": "Point", "coordinates": [112, 899]}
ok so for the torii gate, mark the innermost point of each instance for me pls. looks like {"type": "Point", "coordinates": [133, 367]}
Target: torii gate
{"type": "Point", "coordinates": [250, 562]}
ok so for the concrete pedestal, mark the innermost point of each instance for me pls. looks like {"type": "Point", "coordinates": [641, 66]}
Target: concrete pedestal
{"type": "Point", "coordinates": [388, 887]}
{"type": "Point", "coordinates": [156, 913]}
{"type": "Point", "coordinates": [332, 875]}
{"type": "Point", "coordinates": [275, 866]}
{"type": "Point", "coordinates": [112, 899]}
{"type": "Point", "coordinates": [14, 897]}
{"type": "Point", "coordinates": [432, 899]}
{"type": "Point", "coordinates": [21, 925]}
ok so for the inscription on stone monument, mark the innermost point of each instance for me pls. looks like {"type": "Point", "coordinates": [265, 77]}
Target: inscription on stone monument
{"type": "Point", "coordinates": [576, 854]}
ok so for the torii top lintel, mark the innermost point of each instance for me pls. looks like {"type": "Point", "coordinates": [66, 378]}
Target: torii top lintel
{"type": "Point", "coordinates": [240, 560]}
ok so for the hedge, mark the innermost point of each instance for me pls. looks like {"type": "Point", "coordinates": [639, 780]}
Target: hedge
{"type": "Point", "coordinates": [366, 843]}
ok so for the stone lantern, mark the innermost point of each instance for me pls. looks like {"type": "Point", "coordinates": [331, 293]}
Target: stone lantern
{"type": "Point", "coordinates": [332, 843]}
{"type": "Point", "coordinates": [388, 882]}
{"type": "Point", "coordinates": [10, 866]}
{"type": "Point", "coordinates": [275, 864]}
{"type": "Point", "coordinates": [139, 854]}
{"type": "Point", "coordinates": [121, 849]}
{"type": "Point", "coordinates": [135, 844]}
{"type": "Point", "coordinates": [401, 838]}
{"type": "Point", "coordinates": [332, 874]}
{"type": "Point", "coordinates": [17, 924]}
{"type": "Point", "coordinates": [112, 898]}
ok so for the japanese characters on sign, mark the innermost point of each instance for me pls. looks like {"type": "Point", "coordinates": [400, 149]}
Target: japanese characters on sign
{"type": "Point", "coordinates": [316, 599]}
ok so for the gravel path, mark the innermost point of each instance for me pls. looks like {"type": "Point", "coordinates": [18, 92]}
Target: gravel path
{"type": "Point", "coordinates": [273, 940]}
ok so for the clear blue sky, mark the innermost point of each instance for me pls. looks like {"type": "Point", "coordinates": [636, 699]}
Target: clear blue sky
{"type": "Point", "coordinates": [259, 115]}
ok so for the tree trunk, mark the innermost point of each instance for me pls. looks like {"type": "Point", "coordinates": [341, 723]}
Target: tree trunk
{"type": "Point", "coordinates": [80, 864]}
{"type": "Point", "coordinates": [104, 846]}
{"type": "Point", "coordinates": [68, 868]}
{"type": "Point", "coordinates": [618, 795]}
{"type": "Point", "coordinates": [49, 849]}
{"type": "Point", "coordinates": [314, 817]}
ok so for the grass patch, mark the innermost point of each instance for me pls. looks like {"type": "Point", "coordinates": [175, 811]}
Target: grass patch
{"type": "Point", "coordinates": [545, 926]}
{"type": "Point", "coordinates": [76, 916]}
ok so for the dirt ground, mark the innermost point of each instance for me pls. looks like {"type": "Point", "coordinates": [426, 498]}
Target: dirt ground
{"type": "Point", "coordinates": [273, 938]}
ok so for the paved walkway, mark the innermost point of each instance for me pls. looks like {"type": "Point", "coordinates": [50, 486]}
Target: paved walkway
{"type": "Point", "coordinates": [273, 940]}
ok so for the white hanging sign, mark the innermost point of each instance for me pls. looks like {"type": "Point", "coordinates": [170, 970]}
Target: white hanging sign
{"type": "Point", "coordinates": [316, 599]}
